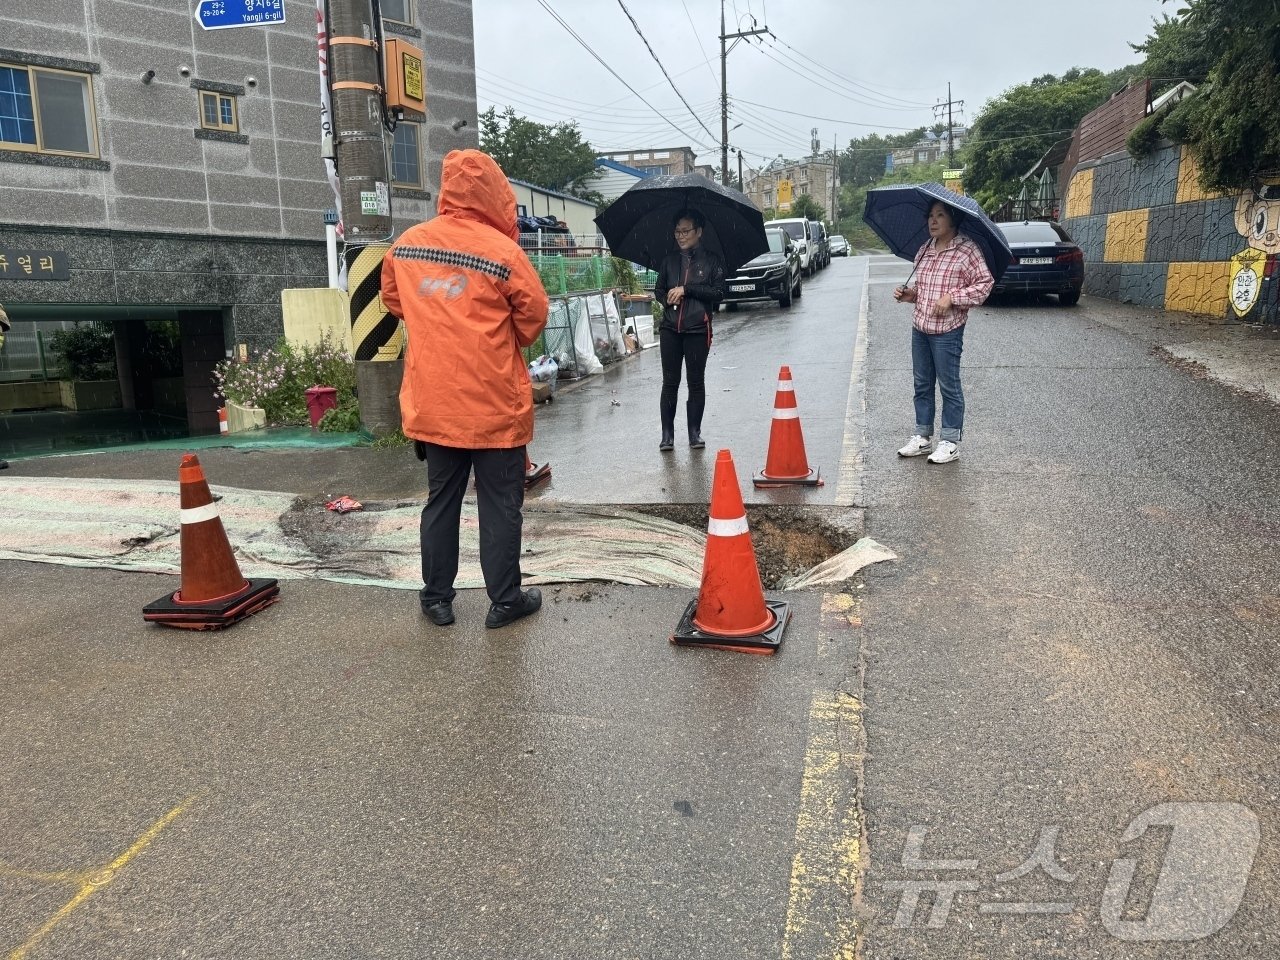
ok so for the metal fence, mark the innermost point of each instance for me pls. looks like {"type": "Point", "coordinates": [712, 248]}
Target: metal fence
{"type": "Point", "coordinates": [573, 263]}
{"type": "Point", "coordinates": [26, 354]}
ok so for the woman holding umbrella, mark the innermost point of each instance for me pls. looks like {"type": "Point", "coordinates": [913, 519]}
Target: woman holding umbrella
{"type": "Point", "coordinates": [952, 276]}
{"type": "Point", "coordinates": [690, 286]}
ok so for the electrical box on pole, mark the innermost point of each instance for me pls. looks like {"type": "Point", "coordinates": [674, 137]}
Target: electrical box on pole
{"type": "Point", "coordinates": [406, 81]}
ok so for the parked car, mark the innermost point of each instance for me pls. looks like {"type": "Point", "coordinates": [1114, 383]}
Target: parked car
{"type": "Point", "coordinates": [821, 249]}
{"type": "Point", "coordinates": [771, 276]}
{"type": "Point", "coordinates": [1045, 260]}
{"type": "Point", "coordinates": [839, 246]}
{"type": "Point", "coordinates": [798, 228]}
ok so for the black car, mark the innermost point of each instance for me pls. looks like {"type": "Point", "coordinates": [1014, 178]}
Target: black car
{"type": "Point", "coordinates": [1045, 260]}
{"type": "Point", "coordinates": [771, 276]}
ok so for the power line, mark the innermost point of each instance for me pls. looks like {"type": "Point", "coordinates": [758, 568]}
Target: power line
{"type": "Point", "coordinates": [696, 36]}
{"type": "Point", "coordinates": [586, 46]}
{"type": "Point", "coordinates": [847, 80]}
{"type": "Point", "coordinates": [664, 69]}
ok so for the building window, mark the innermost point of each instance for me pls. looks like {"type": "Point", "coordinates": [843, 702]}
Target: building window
{"type": "Point", "coordinates": [406, 169]}
{"type": "Point", "coordinates": [661, 170]}
{"type": "Point", "coordinates": [401, 11]}
{"type": "Point", "coordinates": [47, 111]}
{"type": "Point", "coordinates": [922, 156]}
{"type": "Point", "coordinates": [218, 112]}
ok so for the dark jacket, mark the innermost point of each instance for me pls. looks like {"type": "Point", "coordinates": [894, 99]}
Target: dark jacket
{"type": "Point", "coordinates": [701, 274]}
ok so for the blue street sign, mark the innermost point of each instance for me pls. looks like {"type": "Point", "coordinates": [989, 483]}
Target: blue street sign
{"type": "Point", "coordinates": [221, 14]}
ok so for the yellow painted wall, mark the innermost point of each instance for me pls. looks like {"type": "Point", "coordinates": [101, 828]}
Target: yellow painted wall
{"type": "Point", "coordinates": [310, 312]}
{"type": "Point", "coordinates": [1080, 194]}
{"type": "Point", "coordinates": [1127, 236]}
{"type": "Point", "coordinates": [1189, 188]}
{"type": "Point", "coordinates": [1198, 288]}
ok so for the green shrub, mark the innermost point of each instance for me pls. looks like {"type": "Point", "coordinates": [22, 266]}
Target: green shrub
{"type": "Point", "coordinates": [344, 418]}
{"type": "Point", "coordinates": [85, 352]}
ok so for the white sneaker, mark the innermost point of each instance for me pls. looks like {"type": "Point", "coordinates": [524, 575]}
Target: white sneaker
{"type": "Point", "coordinates": [946, 452]}
{"type": "Point", "coordinates": [917, 446]}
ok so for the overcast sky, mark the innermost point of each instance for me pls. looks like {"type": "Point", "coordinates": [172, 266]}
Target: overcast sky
{"type": "Point", "coordinates": [847, 67]}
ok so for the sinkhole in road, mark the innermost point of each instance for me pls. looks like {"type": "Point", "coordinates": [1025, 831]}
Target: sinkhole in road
{"type": "Point", "coordinates": [788, 540]}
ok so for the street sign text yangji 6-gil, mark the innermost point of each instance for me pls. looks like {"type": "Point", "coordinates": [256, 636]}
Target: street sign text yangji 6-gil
{"type": "Point", "coordinates": [223, 14]}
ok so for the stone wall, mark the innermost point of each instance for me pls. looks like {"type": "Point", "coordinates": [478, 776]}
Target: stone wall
{"type": "Point", "coordinates": [1152, 236]}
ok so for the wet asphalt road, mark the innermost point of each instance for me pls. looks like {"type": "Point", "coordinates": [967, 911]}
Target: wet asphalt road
{"type": "Point", "coordinates": [1083, 625]}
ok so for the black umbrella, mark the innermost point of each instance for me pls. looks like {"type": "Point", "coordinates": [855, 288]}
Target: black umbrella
{"type": "Point", "coordinates": [639, 224]}
{"type": "Point", "coordinates": [899, 215]}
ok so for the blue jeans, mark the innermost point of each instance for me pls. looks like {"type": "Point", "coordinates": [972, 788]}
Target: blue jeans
{"type": "Point", "coordinates": [935, 359]}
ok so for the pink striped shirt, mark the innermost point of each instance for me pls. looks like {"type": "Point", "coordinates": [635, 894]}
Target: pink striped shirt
{"type": "Point", "coordinates": [959, 270]}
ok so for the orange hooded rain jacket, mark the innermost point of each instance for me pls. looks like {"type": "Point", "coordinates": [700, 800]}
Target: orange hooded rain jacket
{"type": "Point", "coordinates": [470, 300]}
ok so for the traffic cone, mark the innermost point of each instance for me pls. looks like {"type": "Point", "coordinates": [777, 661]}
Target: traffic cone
{"type": "Point", "coordinates": [222, 420]}
{"type": "Point", "coordinates": [534, 473]}
{"type": "Point", "coordinates": [213, 593]}
{"type": "Point", "coordinates": [730, 611]}
{"type": "Point", "coordinates": [786, 465]}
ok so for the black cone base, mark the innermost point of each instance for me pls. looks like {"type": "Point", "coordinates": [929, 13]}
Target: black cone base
{"type": "Point", "coordinates": [687, 635]}
{"type": "Point", "coordinates": [811, 479]}
{"type": "Point", "coordinates": [212, 614]}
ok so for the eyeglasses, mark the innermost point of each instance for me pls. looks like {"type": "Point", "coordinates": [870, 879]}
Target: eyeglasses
{"type": "Point", "coordinates": [685, 233]}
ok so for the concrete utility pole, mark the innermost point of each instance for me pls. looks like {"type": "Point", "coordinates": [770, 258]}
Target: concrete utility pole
{"type": "Point", "coordinates": [724, 90]}
{"type": "Point", "coordinates": [937, 112]}
{"type": "Point", "coordinates": [355, 70]}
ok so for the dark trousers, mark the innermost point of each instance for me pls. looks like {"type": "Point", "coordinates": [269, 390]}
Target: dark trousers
{"type": "Point", "coordinates": [500, 498]}
{"type": "Point", "coordinates": [689, 350]}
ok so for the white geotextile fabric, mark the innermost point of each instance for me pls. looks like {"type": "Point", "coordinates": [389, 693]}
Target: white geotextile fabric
{"type": "Point", "coordinates": [133, 525]}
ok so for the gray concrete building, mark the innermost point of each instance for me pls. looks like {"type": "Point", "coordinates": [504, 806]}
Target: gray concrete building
{"type": "Point", "coordinates": [153, 169]}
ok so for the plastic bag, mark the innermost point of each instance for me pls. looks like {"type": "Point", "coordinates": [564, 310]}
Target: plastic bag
{"type": "Point", "coordinates": [546, 370]}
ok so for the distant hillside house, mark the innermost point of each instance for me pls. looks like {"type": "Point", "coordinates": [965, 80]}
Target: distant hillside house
{"type": "Point", "coordinates": [615, 178]}
{"type": "Point", "coordinates": [672, 160]}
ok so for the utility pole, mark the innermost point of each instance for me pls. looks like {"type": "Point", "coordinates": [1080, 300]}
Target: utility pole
{"type": "Point", "coordinates": [741, 184]}
{"type": "Point", "coordinates": [356, 81]}
{"type": "Point", "coordinates": [937, 112]}
{"type": "Point", "coordinates": [835, 167]}
{"type": "Point", "coordinates": [359, 151]}
{"type": "Point", "coordinates": [724, 90]}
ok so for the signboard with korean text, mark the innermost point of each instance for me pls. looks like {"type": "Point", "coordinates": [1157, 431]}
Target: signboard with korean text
{"type": "Point", "coordinates": [17, 264]}
{"type": "Point", "coordinates": [223, 14]}
{"type": "Point", "coordinates": [784, 195]}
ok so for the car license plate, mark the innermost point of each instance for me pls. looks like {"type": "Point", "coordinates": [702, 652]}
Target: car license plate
{"type": "Point", "coordinates": [742, 287]}
{"type": "Point", "coordinates": [1036, 261]}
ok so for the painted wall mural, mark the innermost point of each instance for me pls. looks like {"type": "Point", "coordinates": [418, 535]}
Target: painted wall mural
{"type": "Point", "coordinates": [1152, 236]}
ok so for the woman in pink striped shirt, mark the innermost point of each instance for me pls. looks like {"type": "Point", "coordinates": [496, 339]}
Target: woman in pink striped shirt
{"type": "Point", "coordinates": [951, 277]}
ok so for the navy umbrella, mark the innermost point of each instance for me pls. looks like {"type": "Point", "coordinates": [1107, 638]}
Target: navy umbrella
{"type": "Point", "coordinates": [899, 215]}
{"type": "Point", "coordinates": [638, 225]}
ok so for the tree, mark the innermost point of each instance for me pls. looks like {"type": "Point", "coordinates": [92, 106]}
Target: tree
{"type": "Point", "coordinates": [552, 156]}
{"type": "Point", "coordinates": [1177, 49]}
{"type": "Point", "coordinates": [1232, 123]}
{"type": "Point", "coordinates": [1015, 129]}
{"type": "Point", "coordinates": [862, 163]}
{"type": "Point", "coordinates": [807, 207]}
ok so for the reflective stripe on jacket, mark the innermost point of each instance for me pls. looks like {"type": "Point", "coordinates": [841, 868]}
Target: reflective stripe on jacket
{"type": "Point", "coordinates": [470, 300]}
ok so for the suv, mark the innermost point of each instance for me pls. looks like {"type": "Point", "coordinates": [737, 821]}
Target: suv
{"type": "Point", "coordinates": [799, 230]}
{"type": "Point", "coordinates": [774, 275]}
{"type": "Point", "coordinates": [821, 249]}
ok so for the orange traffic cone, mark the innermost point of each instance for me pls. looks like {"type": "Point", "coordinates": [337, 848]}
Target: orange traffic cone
{"type": "Point", "coordinates": [222, 420]}
{"type": "Point", "coordinates": [730, 611]}
{"type": "Point", "coordinates": [786, 465]}
{"type": "Point", "coordinates": [534, 472]}
{"type": "Point", "coordinates": [213, 594]}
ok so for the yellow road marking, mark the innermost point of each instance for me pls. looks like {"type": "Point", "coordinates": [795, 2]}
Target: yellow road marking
{"type": "Point", "coordinates": [92, 881]}
{"type": "Point", "coordinates": [827, 867]}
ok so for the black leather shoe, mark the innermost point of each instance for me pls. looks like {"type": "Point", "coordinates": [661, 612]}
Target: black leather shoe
{"type": "Point", "coordinates": [668, 442]}
{"type": "Point", "coordinates": [439, 613]}
{"type": "Point", "coordinates": [695, 440]}
{"type": "Point", "coordinates": [501, 614]}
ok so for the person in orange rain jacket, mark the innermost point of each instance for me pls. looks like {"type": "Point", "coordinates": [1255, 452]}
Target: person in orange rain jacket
{"type": "Point", "coordinates": [470, 299]}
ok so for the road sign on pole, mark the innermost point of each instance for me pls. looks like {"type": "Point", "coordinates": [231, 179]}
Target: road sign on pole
{"type": "Point", "coordinates": [223, 14]}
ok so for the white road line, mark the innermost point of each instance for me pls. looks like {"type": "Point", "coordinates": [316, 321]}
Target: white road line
{"type": "Point", "coordinates": [849, 487]}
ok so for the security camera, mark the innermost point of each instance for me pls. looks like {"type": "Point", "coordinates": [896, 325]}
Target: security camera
{"type": "Point", "coordinates": [250, 81]}
{"type": "Point", "coordinates": [148, 76]}
{"type": "Point", "coordinates": [459, 124]}
{"type": "Point", "coordinates": [184, 70]}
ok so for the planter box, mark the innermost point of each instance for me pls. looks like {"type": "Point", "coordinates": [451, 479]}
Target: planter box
{"type": "Point", "coordinates": [240, 419]}
{"type": "Point", "coordinates": [90, 394]}
{"type": "Point", "coordinates": [29, 395]}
